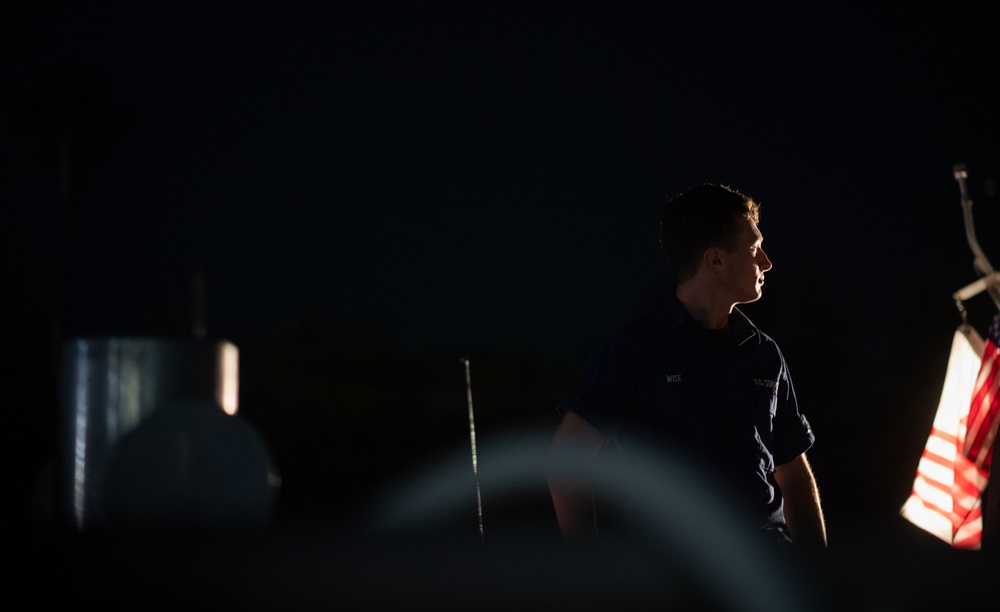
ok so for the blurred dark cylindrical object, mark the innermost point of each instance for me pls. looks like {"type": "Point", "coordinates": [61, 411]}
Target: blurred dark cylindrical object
{"type": "Point", "coordinates": [149, 437]}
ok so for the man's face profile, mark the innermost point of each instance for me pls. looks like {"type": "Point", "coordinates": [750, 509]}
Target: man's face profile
{"type": "Point", "coordinates": [746, 264]}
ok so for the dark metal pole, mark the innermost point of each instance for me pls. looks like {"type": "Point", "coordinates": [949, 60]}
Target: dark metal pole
{"type": "Point", "coordinates": [472, 438]}
{"type": "Point", "coordinates": [980, 263]}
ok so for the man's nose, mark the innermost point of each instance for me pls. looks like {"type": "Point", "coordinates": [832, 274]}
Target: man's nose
{"type": "Point", "coordinates": [763, 261]}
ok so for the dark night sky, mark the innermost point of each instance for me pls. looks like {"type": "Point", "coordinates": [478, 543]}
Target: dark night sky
{"type": "Point", "coordinates": [487, 174]}
{"type": "Point", "coordinates": [494, 174]}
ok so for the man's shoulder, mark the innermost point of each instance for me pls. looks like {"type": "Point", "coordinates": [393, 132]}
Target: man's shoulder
{"type": "Point", "coordinates": [749, 329]}
{"type": "Point", "coordinates": [645, 334]}
{"type": "Point", "coordinates": [761, 348]}
{"type": "Point", "coordinates": [649, 326]}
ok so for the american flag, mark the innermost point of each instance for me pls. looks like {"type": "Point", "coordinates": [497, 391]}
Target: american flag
{"type": "Point", "coordinates": [954, 469]}
{"type": "Point", "coordinates": [982, 424]}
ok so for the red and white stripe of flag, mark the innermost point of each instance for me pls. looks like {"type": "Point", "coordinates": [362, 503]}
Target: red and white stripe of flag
{"type": "Point", "coordinates": [954, 468]}
{"type": "Point", "coordinates": [982, 422]}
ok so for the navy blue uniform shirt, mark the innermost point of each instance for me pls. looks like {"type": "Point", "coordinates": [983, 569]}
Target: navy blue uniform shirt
{"type": "Point", "coordinates": [723, 400]}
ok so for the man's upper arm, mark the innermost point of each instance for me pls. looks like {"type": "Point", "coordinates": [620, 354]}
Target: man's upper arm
{"type": "Point", "coordinates": [795, 469]}
{"type": "Point", "coordinates": [572, 496]}
{"type": "Point", "coordinates": [575, 432]}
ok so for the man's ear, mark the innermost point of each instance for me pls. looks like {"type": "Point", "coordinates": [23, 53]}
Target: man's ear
{"type": "Point", "coordinates": [712, 259]}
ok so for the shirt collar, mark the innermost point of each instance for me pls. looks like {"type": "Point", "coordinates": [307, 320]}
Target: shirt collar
{"type": "Point", "coordinates": [744, 330]}
{"type": "Point", "coordinates": [675, 315]}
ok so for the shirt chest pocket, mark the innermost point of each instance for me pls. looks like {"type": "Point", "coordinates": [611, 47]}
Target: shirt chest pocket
{"type": "Point", "coordinates": [759, 394]}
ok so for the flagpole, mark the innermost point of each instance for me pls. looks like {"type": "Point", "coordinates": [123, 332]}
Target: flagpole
{"type": "Point", "coordinates": [980, 263]}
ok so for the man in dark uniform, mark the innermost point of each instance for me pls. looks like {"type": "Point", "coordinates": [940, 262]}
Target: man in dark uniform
{"type": "Point", "coordinates": [698, 378]}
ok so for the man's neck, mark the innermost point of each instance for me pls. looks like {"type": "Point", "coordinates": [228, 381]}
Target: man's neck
{"type": "Point", "coordinates": [704, 305]}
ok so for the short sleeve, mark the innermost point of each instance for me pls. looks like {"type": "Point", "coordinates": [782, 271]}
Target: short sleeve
{"type": "Point", "coordinates": [792, 433]}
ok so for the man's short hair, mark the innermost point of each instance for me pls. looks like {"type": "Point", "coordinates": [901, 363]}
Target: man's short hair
{"type": "Point", "coordinates": [698, 219]}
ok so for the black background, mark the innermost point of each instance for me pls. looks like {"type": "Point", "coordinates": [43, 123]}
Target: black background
{"type": "Point", "coordinates": [374, 190]}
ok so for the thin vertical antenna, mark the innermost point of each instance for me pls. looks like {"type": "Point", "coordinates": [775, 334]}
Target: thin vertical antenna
{"type": "Point", "coordinates": [472, 438]}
